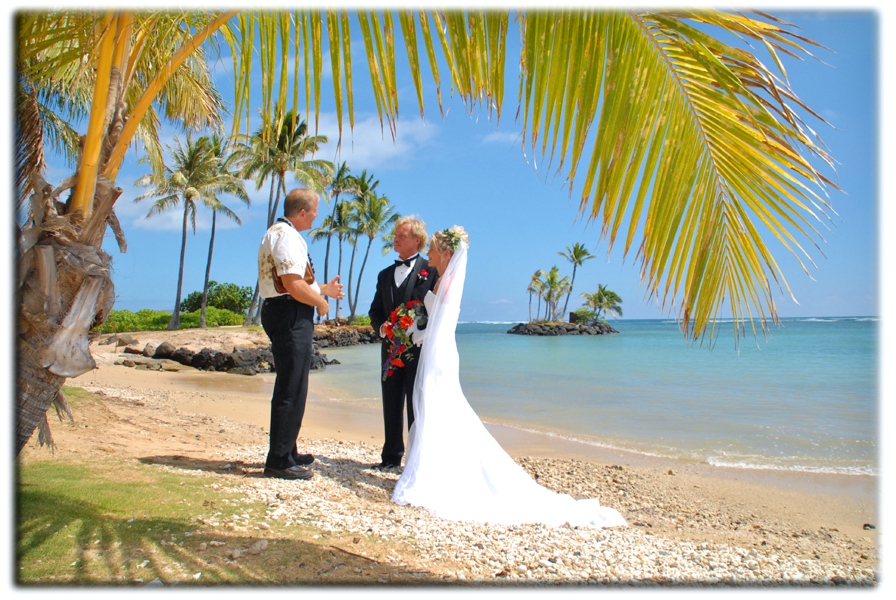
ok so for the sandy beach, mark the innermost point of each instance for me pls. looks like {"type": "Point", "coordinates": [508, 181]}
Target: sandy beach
{"type": "Point", "coordinates": [689, 523]}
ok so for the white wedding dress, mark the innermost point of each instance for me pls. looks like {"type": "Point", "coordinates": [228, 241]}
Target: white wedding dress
{"type": "Point", "coordinates": [454, 467]}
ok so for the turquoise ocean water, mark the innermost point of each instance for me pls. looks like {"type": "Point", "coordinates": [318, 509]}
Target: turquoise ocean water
{"type": "Point", "coordinates": [805, 399]}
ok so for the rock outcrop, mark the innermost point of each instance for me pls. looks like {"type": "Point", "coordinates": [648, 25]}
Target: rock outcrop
{"type": "Point", "coordinates": [561, 329]}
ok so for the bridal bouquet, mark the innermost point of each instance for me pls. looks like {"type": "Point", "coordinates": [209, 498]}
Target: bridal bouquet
{"type": "Point", "coordinates": [398, 330]}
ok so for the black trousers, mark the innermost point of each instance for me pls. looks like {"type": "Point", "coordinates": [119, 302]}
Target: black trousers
{"type": "Point", "coordinates": [398, 391]}
{"type": "Point", "coordinates": [290, 326]}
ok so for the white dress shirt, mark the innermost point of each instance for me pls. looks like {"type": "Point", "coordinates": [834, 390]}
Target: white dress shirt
{"type": "Point", "coordinates": [401, 271]}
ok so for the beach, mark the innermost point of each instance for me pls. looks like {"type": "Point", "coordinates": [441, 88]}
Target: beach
{"type": "Point", "coordinates": [690, 523]}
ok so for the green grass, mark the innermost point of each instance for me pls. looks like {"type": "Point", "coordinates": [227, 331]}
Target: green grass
{"type": "Point", "coordinates": [117, 522]}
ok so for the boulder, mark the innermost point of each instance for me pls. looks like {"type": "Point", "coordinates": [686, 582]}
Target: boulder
{"type": "Point", "coordinates": [164, 350]}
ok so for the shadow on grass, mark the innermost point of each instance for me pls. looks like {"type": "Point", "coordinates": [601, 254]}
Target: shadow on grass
{"type": "Point", "coordinates": [75, 527]}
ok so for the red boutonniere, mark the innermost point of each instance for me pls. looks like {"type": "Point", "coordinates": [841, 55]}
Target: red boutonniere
{"type": "Point", "coordinates": [396, 329]}
{"type": "Point", "coordinates": [423, 274]}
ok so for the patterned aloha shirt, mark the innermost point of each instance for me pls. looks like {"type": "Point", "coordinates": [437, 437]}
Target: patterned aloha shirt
{"type": "Point", "coordinates": [282, 247]}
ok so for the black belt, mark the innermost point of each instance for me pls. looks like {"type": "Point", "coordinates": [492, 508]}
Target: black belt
{"type": "Point", "coordinates": [280, 299]}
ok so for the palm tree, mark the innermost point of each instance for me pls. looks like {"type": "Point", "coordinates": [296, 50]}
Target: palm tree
{"type": "Point", "coordinates": [195, 178]}
{"type": "Point", "coordinates": [603, 300]}
{"type": "Point", "coordinates": [694, 137]}
{"type": "Point", "coordinates": [374, 217]}
{"type": "Point", "coordinates": [231, 185]}
{"type": "Point", "coordinates": [342, 183]}
{"type": "Point", "coordinates": [535, 288]}
{"type": "Point", "coordinates": [281, 146]}
{"type": "Point", "coordinates": [577, 255]}
{"type": "Point", "coordinates": [554, 288]}
{"type": "Point", "coordinates": [342, 227]}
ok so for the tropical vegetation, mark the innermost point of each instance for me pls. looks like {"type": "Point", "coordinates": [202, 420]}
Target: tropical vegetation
{"type": "Point", "coordinates": [228, 296]}
{"type": "Point", "coordinates": [603, 300]}
{"type": "Point", "coordinates": [197, 176]}
{"type": "Point", "coordinates": [699, 154]}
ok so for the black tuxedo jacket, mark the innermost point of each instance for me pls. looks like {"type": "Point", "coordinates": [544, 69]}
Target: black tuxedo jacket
{"type": "Point", "coordinates": [386, 299]}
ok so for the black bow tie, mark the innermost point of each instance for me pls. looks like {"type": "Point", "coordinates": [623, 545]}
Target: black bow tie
{"type": "Point", "coordinates": [406, 262]}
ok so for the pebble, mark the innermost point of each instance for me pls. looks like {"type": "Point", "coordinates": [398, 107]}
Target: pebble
{"type": "Point", "coordinates": [344, 499]}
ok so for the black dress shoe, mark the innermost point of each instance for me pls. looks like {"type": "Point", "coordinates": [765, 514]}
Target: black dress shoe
{"type": "Point", "coordinates": [386, 465]}
{"type": "Point", "coordinates": [294, 472]}
{"type": "Point", "coordinates": [303, 459]}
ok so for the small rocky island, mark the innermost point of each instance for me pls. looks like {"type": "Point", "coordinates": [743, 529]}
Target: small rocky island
{"type": "Point", "coordinates": [561, 329]}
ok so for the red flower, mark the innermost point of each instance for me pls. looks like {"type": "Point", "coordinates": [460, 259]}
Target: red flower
{"type": "Point", "coordinates": [406, 322]}
{"type": "Point", "coordinates": [397, 362]}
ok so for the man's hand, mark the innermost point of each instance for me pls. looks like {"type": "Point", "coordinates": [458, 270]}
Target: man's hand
{"type": "Point", "coordinates": [333, 289]}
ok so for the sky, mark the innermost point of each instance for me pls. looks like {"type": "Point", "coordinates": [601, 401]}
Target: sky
{"type": "Point", "coordinates": [470, 170]}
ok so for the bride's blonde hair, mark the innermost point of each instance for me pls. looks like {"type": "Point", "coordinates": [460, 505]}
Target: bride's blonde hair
{"type": "Point", "coordinates": [448, 239]}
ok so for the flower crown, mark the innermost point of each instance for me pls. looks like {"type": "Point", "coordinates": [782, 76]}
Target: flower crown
{"type": "Point", "coordinates": [453, 239]}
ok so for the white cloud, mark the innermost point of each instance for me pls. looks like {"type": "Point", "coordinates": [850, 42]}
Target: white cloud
{"type": "Point", "coordinates": [370, 146]}
{"type": "Point", "coordinates": [503, 137]}
{"type": "Point", "coordinates": [501, 301]}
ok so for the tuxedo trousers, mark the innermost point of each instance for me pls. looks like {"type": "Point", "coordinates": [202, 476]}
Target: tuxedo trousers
{"type": "Point", "coordinates": [398, 392]}
{"type": "Point", "coordinates": [290, 326]}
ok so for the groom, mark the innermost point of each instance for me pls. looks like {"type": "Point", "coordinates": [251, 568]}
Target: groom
{"type": "Point", "coordinates": [408, 279]}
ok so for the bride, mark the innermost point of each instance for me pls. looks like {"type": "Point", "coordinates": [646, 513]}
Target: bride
{"type": "Point", "coordinates": [454, 467]}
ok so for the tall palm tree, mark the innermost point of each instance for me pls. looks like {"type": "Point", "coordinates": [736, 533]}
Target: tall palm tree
{"type": "Point", "coordinates": [374, 217]}
{"type": "Point", "coordinates": [554, 289]}
{"type": "Point", "coordinates": [278, 147]}
{"type": "Point", "coordinates": [194, 178]}
{"type": "Point", "coordinates": [231, 184]}
{"type": "Point", "coordinates": [535, 288]}
{"type": "Point", "coordinates": [342, 183]}
{"type": "Point", "coordinates": [603, 300]}
{"type": "Point", "coordinates": [364, 185]}
{"type": "Point", "coordinates": [343, 227]}
{"type": "Point", "coordinates": [715, 133]}
{"type": "Point", "coordinates": [577, 255]}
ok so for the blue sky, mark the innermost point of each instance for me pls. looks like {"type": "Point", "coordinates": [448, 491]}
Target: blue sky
{"type": "Point", "coordinates": [466, 169]}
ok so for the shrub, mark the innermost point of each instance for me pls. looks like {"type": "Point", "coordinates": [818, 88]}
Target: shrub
{"type": "Point", "coordinates": [157, 320]}
{"type": "Point", "coordinates": [228, 296]}
{"type": "Point", "coordinates": [361, 320]}
{"type": "Point", "coordinates": [585, 316]}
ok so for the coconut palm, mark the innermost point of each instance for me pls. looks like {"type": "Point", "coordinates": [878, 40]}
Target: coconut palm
{"type": "Point", "coordinates": [554, 289]}
{"type": "Point", "coordinates": [374, 216]}
{"type": "Point", "coordinates": [193, 179]}
{"type": "Point", "coordinates": [603, 300]}
{"type": "Point", "coordinates": [698, 147]}
{"type": "Point", "coordinates": [230, 185]}
{"type": "Point", "coordinates": [342, 183]}
{"type": "Point", "coordinates": [577, 255]}
{"type": "Point", "coordinates": [535, 288]}
{"type": "Point", "coordinates": [281, 146]}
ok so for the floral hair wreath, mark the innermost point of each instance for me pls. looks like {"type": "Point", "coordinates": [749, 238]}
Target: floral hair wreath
{"type": "Point", "coordinates": [453, 238]}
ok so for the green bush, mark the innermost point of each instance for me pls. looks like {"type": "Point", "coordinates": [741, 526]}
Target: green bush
{"type": "Point", "coordinates": [228, 296]}
{"type": "Point", "coordinates": [157, 320]}
{"type": "Point", "coordinates": [586, 316]}
{"type": "Point", "coordinates": [361, 320]}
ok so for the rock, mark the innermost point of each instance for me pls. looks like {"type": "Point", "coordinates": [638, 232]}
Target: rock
{"type": "Point", "coordinates": [149, 350]}
{"type": "Point", "coordinates": [241, 371]}
{"type": "Point", "coordinates": [258, 547]}
{"type": "Point", "coordinates": [125, 340]}
{"type": "Point", "coordinates": [183, 356]}
{"type": "Point", "coordinates": [133, 350]}
{"type": "Point", "coordinates": [560, 329]}
{"type": "Point", "coordinates": [109, 340]}
{"type": "Point", "coordinates": [164, 350]}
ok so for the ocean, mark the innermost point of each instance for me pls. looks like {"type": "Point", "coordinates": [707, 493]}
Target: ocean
{"type": "Point", "coordinates": [804, 399]}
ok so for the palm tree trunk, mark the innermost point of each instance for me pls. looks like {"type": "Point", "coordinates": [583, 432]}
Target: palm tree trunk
{"type": "Point", "coordinates": [569, 293]}
{"type": "Point", "coordinates": [530, 307]}
{"type": "Point", "coordinates": [360, 275]}
{"type": "Point", "coordinates": [351, 267]}
{"type": "Point", "coordinates": [208, 270]}
{"type": "Point", "coordinates": [251, 310]}
{"type": "Point", "coordinates": [339, 272]}
{"type": "Point", "coordinates": [327, 253]}
{"type": "Point", "coordinates": [64, 289]}
{"type": "Point", "coordinates": [271, 201]}
{"type": "Point", "coordinates": [174, 323]}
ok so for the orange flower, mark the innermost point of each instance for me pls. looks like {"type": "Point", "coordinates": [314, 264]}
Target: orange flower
{"type": "Point", "coordinates": [406, 322]}
{"type": "Point", "coordinates": [397, 362]}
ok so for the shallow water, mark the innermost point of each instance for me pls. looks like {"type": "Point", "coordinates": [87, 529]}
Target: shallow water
{"type": "Point", "coordinates": [805, 399]}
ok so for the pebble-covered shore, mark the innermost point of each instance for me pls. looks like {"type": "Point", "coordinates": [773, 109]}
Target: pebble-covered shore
{"type": "Point", "coordinates": [674, 537]}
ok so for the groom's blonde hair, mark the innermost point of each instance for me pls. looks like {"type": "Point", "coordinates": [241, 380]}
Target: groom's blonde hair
{"type": "Point", "coordinates": [418, 230]}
